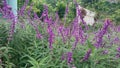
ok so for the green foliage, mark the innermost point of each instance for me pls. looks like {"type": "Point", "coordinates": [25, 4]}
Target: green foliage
{"type": "Point", "coordinates": [71, 14]}
{"type": "Point", "coordinates": [53, 6]}
{"type": "Point", "coordinates": [61, 8]}
{"type": "Point", "coordinates": [116, 16]}
{"type": "Point", "coordinates": [52, 2]}
{"type": "Point", "coordinates": [3, 34]}
{"type": "Point", "coordinates": [38, 6]}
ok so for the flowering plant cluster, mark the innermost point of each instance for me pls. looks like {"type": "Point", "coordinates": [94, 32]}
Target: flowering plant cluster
{"type": "Point", "coordinates": [72, 43]}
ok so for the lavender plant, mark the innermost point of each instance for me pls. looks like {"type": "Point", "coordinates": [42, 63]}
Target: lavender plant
{"type": "Point", "coordinates": [45, 42]}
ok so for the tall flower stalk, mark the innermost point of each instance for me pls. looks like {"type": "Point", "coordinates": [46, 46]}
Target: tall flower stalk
{"type": "Point", "coordinates": [7, 13]}
{"type": "Point", "coordinates": [101, 33]}
{"type": "Point", "coordinates": [79, 16]}
{"type": "Point", "coordinates": [87, 55]}
{"type": "Point", "coordinates": [51, 37]}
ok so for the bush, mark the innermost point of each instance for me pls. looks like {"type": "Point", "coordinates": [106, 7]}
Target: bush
{"type": "Point", "coordinates": [61, 8]}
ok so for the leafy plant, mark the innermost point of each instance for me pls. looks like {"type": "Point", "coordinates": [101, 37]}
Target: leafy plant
{"type": "Point", "coordinates": [48, 44]}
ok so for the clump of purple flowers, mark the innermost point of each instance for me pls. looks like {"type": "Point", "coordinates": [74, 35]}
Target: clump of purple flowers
{"type": "Point", "coordinates": [68, 57]}
{"type": "Point", "coordinates": [101, 33]}
{"type": "Point", "coordinates": [49, 22]}
{"type": "Point", "coordinates": [78, 33]}
{"type": "Point", "coordinates": [51, 37]}
{"type": "Point", "coordinates": [87, 55]}
{"type": "Point", "coordinates": [61, 32]}
{"type": "Point", "coordinates": [75, 31]}
{"type": "Point", "coordinates": [118, 49]}
{"type": "Point", "coordinates": [118, 52]}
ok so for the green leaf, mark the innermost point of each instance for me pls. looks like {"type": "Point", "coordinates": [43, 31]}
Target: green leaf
{"type": "Point", "coordinates": [90, 45]}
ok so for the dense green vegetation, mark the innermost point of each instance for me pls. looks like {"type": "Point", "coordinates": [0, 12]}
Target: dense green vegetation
{"type": "Point", "coordinates": [103, 8]}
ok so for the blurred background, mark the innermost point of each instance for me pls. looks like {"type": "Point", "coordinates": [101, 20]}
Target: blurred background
{"type": "Point", "coordinates": [103, 8]}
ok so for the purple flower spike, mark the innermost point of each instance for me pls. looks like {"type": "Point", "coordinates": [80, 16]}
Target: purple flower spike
{"type": "Point", "coordinates": [80, 17]}
{"type": "Point", "coordinates": [101, 33]}
{"type": "Point", "coordinates": [35, 16]}
{"type": "Point", "coordinates": [87, 55]}
{"type": "Point", "coordinates": [117, 55]}
{"type": "Point", "coordinates": [61, 28]}
{"type": "Point", "coordinates": [118, 49]}
{"type": "Point", "coordinates": [69, 57]}
{"type": "Point", "coordinates": [75, 44]}
{"type": "Point", "coordinates": [116, 40]}
{"type": "Point", "coordinates": [38, 35]}
{"type": "Point", "coordinates": [118, 28]}
{"type": "Point", "coordinates": [63, 56]}
{"type": "Point", "coordinates": [45, 12]}
{"type": "Point", "coordinates": [51, 37]}
{"type": "Point", "coordinates": [22, 10]}
{"type": "Point", "coordinates": [105, 52]}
